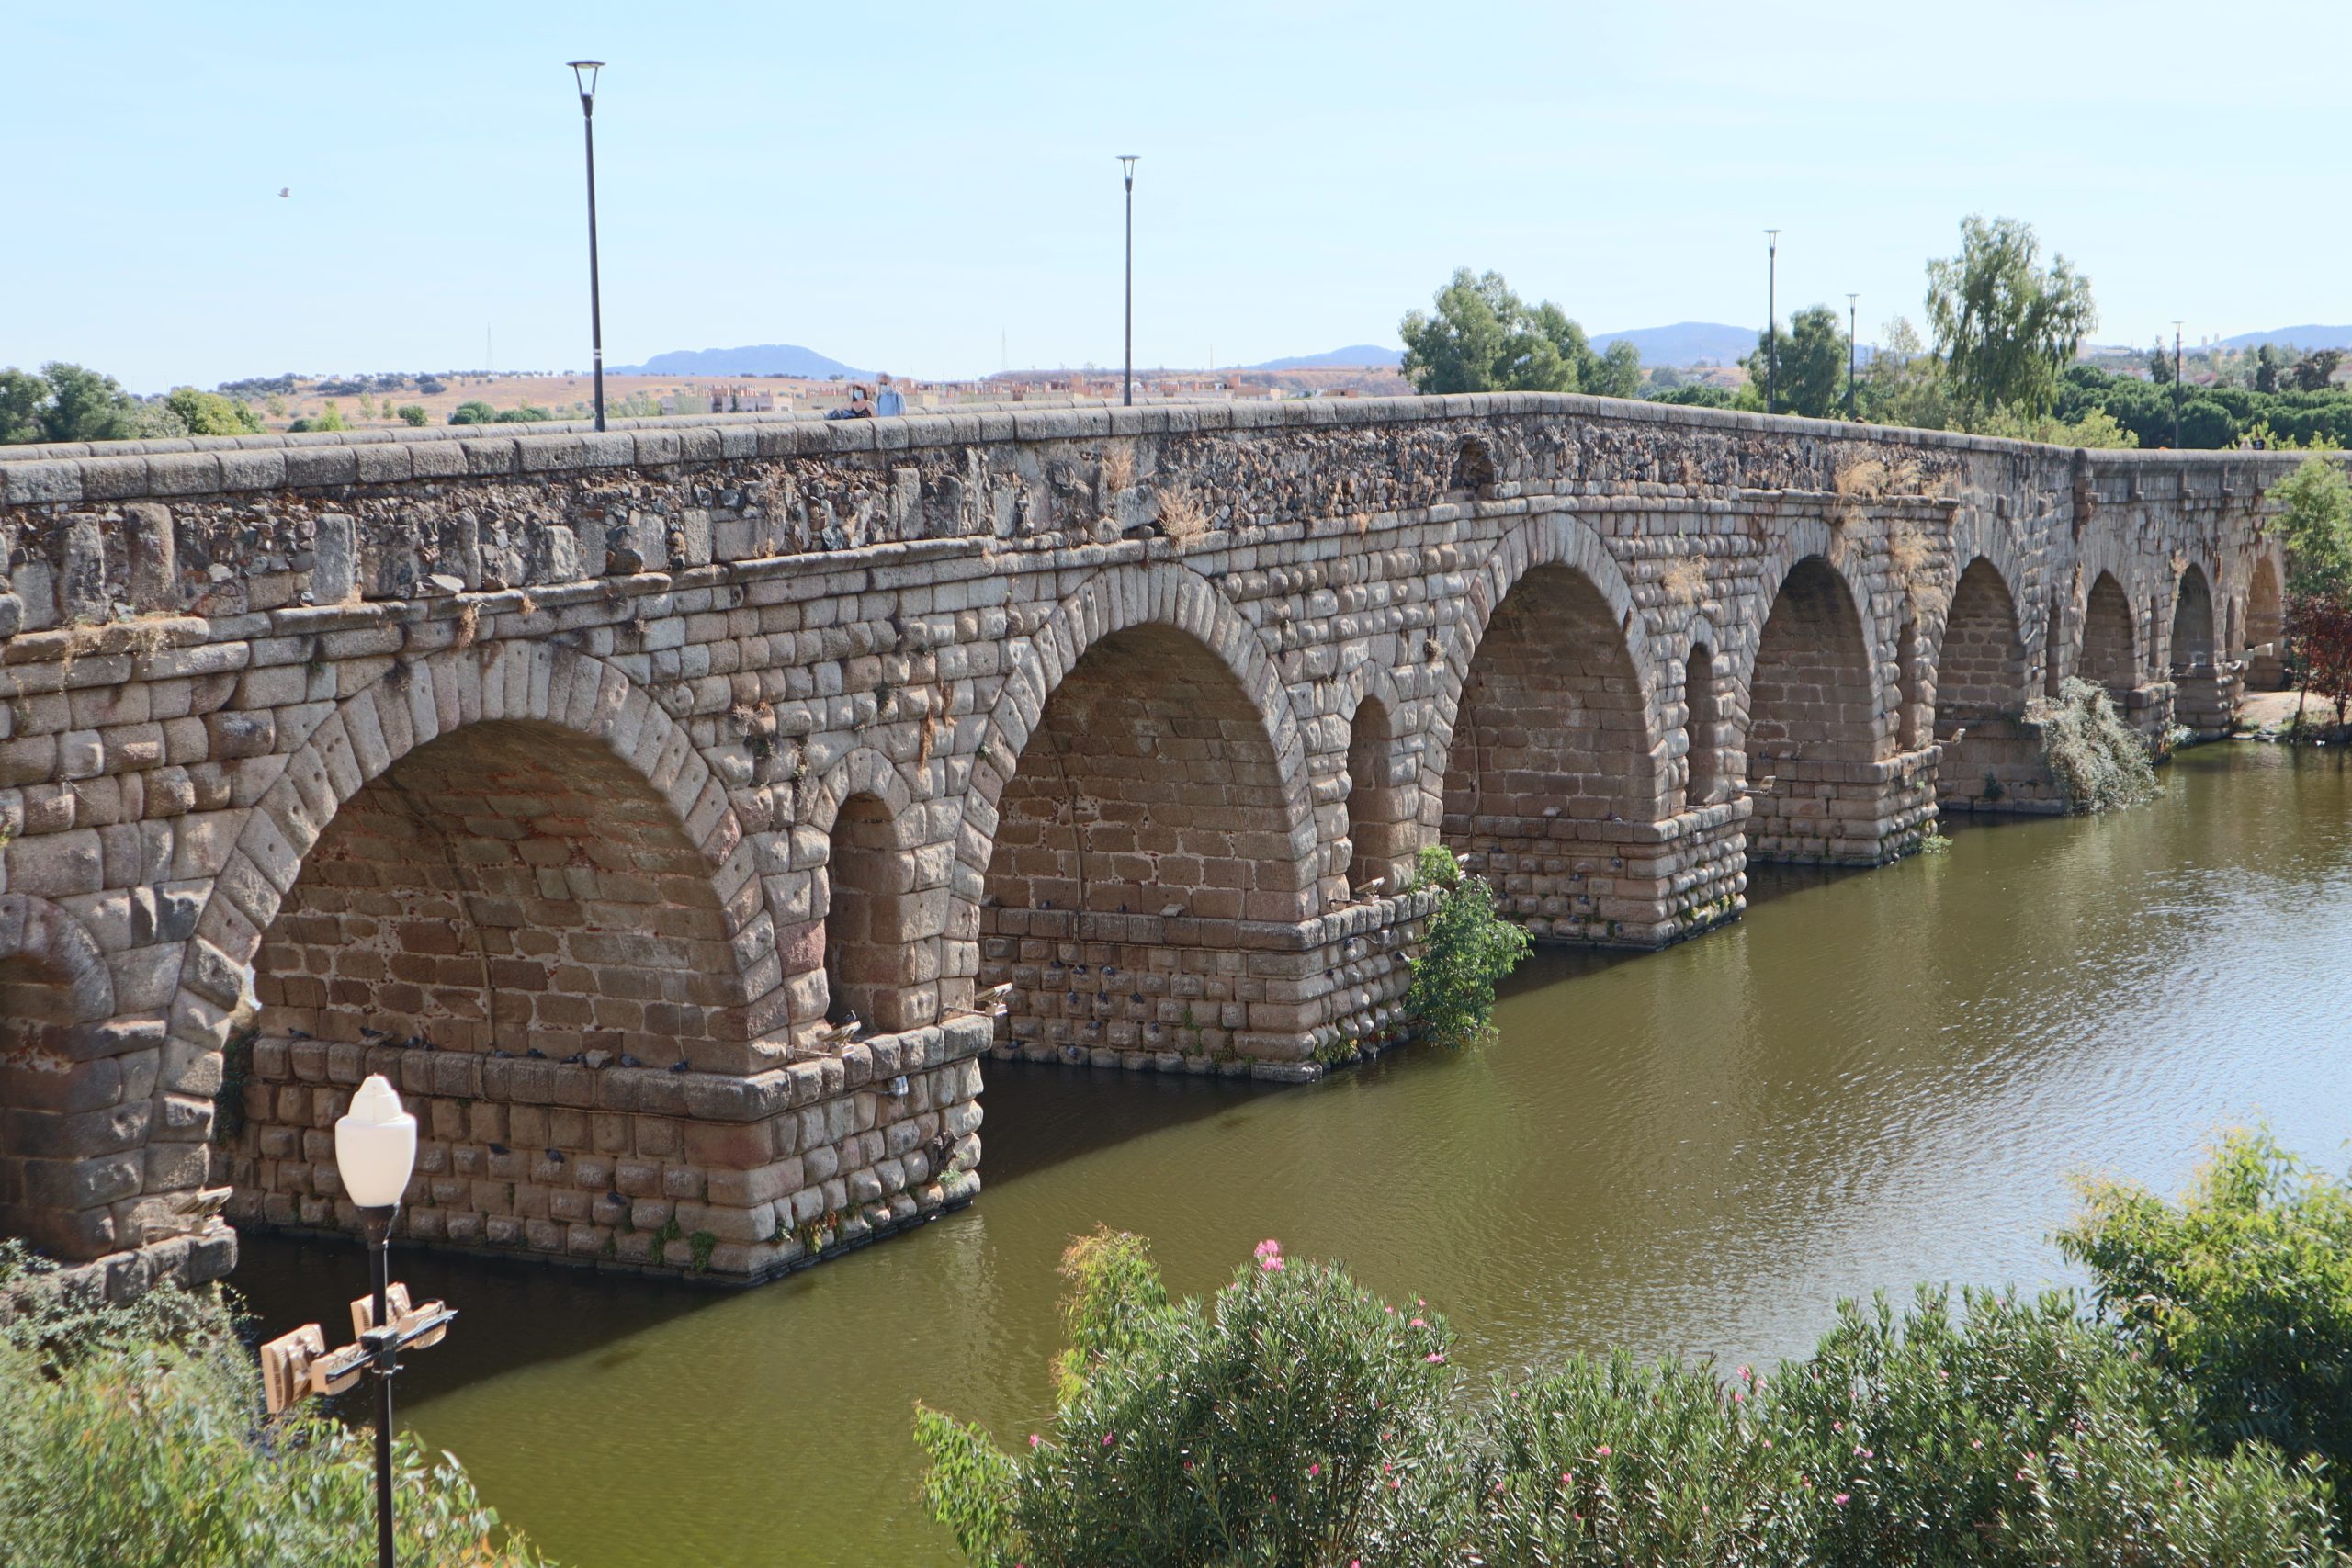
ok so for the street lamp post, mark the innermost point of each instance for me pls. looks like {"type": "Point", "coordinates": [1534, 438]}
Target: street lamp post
{"type": "Point", "coordinates": [2175, 386]}
{"type": "Point", "coordinates": [1850, 350]}
{"type": "Point", "coordinates": [1128, 378]}
{"type": "Point", "coordinates": [1772, 320]}
{"type": "Point", "coordinates": [375, 1150]}
{"type": "Point", "coordinates": [584, 75]}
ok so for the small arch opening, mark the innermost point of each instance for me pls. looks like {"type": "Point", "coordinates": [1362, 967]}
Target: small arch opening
{"type": "Point", "coordinates": [2193, 624]}
{"type": "Point", "coordinates": [870, 936]}
{"type": "Point", "coordinates": [1907, 706]}
{"type": "Point", "coordinates": [2107, 658]}
{"type": "Point", "coordinates": [1377, 818]}
{"type": "Point", "coordinates": [1702, 727]}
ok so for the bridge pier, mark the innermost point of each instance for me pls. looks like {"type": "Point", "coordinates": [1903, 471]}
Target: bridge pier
{"type": "Point", "coordinates": [1833, 813]}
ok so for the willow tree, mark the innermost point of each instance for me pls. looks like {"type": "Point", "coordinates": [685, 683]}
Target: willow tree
{"type": "Point", "coordinates": [2004, 325]}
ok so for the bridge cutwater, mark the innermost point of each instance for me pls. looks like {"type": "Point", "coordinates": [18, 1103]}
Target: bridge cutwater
{"type": "Point", "coordinates": [680, 815]}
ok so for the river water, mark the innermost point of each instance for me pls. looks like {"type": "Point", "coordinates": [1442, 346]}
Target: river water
{"type": "Point", "coordinates": [1874, 1079]}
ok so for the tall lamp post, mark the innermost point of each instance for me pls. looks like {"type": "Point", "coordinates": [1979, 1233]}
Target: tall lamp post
{"type": "Point", "coordinates": [1851, 347]}
{"type": "Point", "coordinates": [1772, 320]}
{"type": "Point", "coordinates": [583, 76]}
{"type": "Point", "coordinates": [1128, 379]}
{"type": "Point", "coordinates": [375, 1150]}
{"type": "Point", "coordinates": [2175, 386]}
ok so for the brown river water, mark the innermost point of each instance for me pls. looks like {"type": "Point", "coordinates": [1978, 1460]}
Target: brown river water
{"type": "Point", "coordinates": [1874, 1079]}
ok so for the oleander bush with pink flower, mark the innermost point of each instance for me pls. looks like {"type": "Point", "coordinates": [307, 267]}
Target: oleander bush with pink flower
{"type": "Point", "coordinates": [1298, 1421]}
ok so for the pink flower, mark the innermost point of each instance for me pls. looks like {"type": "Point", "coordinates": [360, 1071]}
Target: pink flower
{"type": "Point", "coordinates": [1436, 1357]}
{"type": "Point", "coordinates": [1567, 1478]}
{"type": "Point", "coordinates": [1739, 1396]}
{"type": "Point", "coordinates": [1975, 1442]}
{"type": "Point", "coordinates": [1314, 1469]}
{"type": "Point", "coordinates": [1604, 1451]}
{"type": "Point", "coordinates": [1417, 1323]}
{"type": "Point", "coordinates": [1842, 1498]}
{"type": "Point", "coordinates": [1034, 1439]}
{"type": "Point", "coordinates": [1269, 1254]}
{"type": "Point", "coordinates": [1836, 1425]}
{"type": "Point", "coordinates": [1108, 1439]}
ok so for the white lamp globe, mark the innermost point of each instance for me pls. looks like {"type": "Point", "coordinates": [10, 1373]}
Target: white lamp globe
{"type": "Point", "coordinates": [375, 1145]}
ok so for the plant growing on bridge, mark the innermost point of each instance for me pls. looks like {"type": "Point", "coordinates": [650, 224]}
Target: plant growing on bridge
{"type": "Point", "coordinates": [2099, 762]}
{"type": "Point", "coordinates": [1466, 949]}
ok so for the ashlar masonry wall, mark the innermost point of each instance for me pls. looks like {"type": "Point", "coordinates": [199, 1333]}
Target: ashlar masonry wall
{"type": "Point", "coordinates": [668, 809]}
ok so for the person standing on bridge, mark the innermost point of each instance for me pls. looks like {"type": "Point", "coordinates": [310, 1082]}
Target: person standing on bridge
{"type": "Point", "coordinates": [889, 400]}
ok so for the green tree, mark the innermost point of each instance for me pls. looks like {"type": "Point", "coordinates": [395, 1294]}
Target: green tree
{"type": "Point", "coordinates": [23, 397]}
{"type": "Point", "coordinates": [1484, 338]}
{"type": "Point", "coordinates": [473, 410]}
{"type": "Point", "coordinates": [2266, 369]}
{"type": "Point", "coordinates": [1812, 372]}
{"type": "Point", "coordinates": [85, 405]}
{"type": "Point", "coordinates": [2316, 522]}
{"type": "Point", "coordinates": [411, 413]}
{"type": "Point", "coordinates": [2006, 326]}
{"type": "Point", "coordinates": [210, 413]}
{"type": "Point", "coordinates": [2160, 363]}
{"type": "Point", "coordinates": [1906, 385]}
{"type": "Point", "coordinates": [2315, 371]}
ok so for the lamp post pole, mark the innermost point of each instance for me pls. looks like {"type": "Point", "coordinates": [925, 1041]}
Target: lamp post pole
{"type": "Point", "coordinates": [1772, 320]}
{"type": "Point", "coordinates": [1128, 378]}
{"type": "Point", "coordinates": [374, 1149]}
{"type": "Point", "coordinates": [376, 1225]}
{"type": "Point", "coordinates": [2175, 386]}
{"type": "Point", "coordinates": [583, 73]}
{"type": "Point", "coordinates": [1851, 348]}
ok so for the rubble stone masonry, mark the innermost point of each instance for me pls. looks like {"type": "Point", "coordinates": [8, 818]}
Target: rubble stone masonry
{"type": "Point", "coordinates": [657, 808]}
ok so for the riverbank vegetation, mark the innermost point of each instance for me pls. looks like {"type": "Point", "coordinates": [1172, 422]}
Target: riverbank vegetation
{"type": "Point", "coordinates": [2100, 763]}
{"type": "Point", "coordinates": [2194, 1415]}
{"type": "Point", "coordinates": [134, 1437]}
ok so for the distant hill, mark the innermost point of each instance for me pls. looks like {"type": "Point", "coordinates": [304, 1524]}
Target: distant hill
{"type": "Point", "coordinates": [752, 359]}
{"type": "Point", "coordinates": [1686, 343]}
{"type": "Point", "coordinates": [1365, 353]}
{"type": "Point", "coordinates": [2299, 337]}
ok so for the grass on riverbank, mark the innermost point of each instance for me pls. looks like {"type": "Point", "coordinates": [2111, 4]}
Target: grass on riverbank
{"type": "Point", "coordinates": [134, 1437]}
{"type": "Point", "coordinates": [2194, 1418]}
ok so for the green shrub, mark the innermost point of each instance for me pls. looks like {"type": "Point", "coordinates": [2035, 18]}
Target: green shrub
{"type": "Point", "coordinates": [1466, 950]}
{"type": "Point", "coordinates": [411, 413]}
{"type": "Point", "coordinates": [1604, 1460]}
{"type": "Point", "coordinates": [2243, 1291]}
{"type": "Point", "coordinates": [1303, 1423]}
{"type": "Point", "coordinates": [2099, 762]}
{"type": "Point", "coordinates": [134, 1438]}
{"type": "Point", "coordinates": [1298, 1420]}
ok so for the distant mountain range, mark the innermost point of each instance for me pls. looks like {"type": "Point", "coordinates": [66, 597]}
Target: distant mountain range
{"type": "Point", "coordinates": [1369, 354]}
{"type": "Point", "coordinates": [2298, 337]}
{"type": "Point", "coordinates": [1686, 343]}
{"type": "Point", "coordinates": [752, 359]}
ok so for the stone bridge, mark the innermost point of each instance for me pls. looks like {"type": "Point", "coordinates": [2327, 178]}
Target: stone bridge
{"type": "Point", "coordinates": [656, 808]}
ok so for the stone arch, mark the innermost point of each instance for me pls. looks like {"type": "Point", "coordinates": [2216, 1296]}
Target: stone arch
{"type": "Point", "coordinates": [1140, 816]}
{"type": "Point", "coordinates": [2266, 625]}
{"type": "Point", "coordinates": [1551, 539]}
{"type": "Point", "coordinates": [2192, 646]}
{"type": "Point", "coordinates": [1810, 691]}
{"type": "Point", "coordinates": [477, 766]}
{"type": "Point", "coordinates": [1981, 659]}
{"type": "Point", "coordinates": [71, 1131]}
{"type": "Point", "coordinates": [2108, 655]}
{"type": "Point", "coordinates": [876, 911]}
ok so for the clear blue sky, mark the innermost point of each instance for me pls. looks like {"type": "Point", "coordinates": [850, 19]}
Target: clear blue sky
{"type": "Point", "coordinates": [897, 185]}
